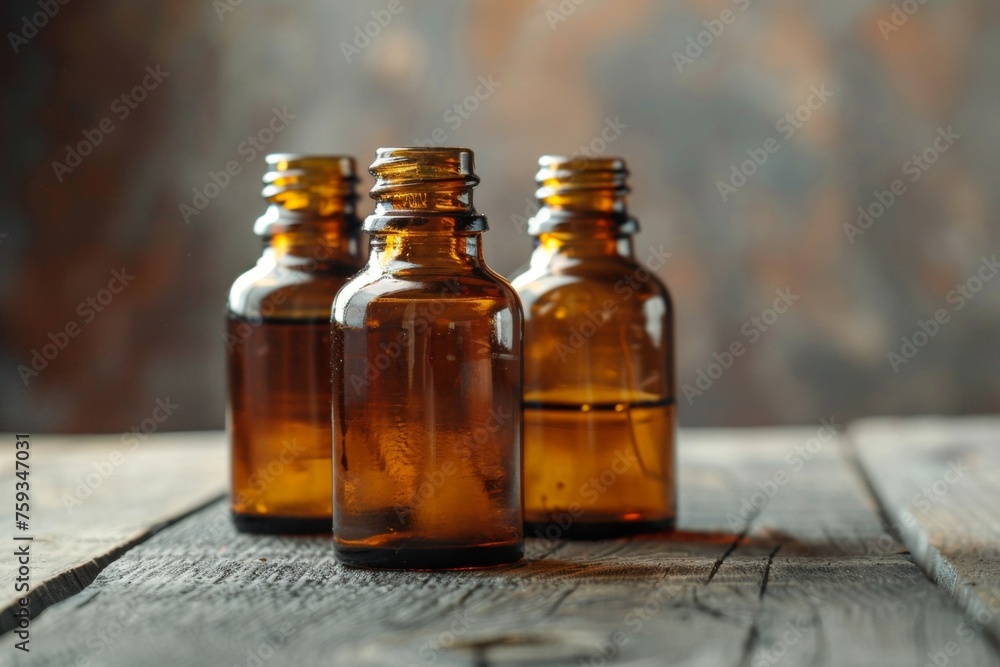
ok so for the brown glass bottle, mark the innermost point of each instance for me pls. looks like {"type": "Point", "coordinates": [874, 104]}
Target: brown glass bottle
{"type": "Point", "coordinates": [278, 344]}
{"type": "Point", "coordinates": [599, 408]}
{"type": "Point", "coordinates": [427, 380]}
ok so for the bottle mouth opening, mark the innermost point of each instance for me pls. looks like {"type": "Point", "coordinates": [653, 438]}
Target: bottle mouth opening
{"type": "Point", "coordinates": [581, 163]}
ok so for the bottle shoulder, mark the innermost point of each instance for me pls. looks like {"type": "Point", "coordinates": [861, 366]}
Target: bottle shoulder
{"type": "Point", "coordinates": [272, 290]}
{"type": "Point", "coordinates": [480, 288]}
{"type": "Point", "coordinates": [619, 280]}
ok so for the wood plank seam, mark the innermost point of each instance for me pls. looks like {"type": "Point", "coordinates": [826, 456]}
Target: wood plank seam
{"type": "Point", "coordinates": [75, 580]}
{"type": "Point", "coordinates": [931, 562]}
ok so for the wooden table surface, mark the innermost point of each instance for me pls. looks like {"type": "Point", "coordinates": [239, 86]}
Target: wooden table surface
{"type": "Point", "coordinates": [874, 544]}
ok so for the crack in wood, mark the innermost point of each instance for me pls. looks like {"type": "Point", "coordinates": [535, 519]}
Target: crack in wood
{"type": "Point", "coordinates": [746, 658]}
{"type": "Point", "coordinates": [767, 571]}
{"type": "Point", "coordinates": [718, 563]}
{"type": "Point", "coordinates": [562, 598]}
{"type": "Point", "coordinates": [850, 454]}
{"type": "Point", "coordinates": [553, 550]}
{"type": "Point", "coordinates": [701, 606]}
{"type": "Point", "coordinates": [732, 547]}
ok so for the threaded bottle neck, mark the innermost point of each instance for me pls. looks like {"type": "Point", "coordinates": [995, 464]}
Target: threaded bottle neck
{"type": "Point", "coordinates": [424, 190]}
{"type": "Point", "coordinates": [580, 194]}
{"type": "Point", "coordinates": [305, 190]}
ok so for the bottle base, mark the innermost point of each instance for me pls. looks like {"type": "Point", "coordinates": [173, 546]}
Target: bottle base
{"type": "Point", "coordinates": [282, 525]}
{"type": "Point", "coordinates": [596, 530]}
{"type": "Point", "coordinates": [430, 558]}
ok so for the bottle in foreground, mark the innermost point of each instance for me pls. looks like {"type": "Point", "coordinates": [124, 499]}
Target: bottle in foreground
{"type": "Point", "coordinates": [426, 380]}
{"type": "Point", "coordinates": [599, 408]}
{"type": "Point", "coordinates": [278, 345]}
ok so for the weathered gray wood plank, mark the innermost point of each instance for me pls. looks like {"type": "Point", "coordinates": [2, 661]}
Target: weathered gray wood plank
{"type": "Point", "coordinates": [938, 480]}
{"type": "Point", "coordinates": [93, 497]}
{"type": "Point", "coordinates": [712, 594]}
{"type": "Point", "coordinates": [833, 579]}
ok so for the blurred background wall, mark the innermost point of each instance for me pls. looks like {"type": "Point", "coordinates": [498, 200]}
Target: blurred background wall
{"type": "Point", "coordinates": [754, 131]}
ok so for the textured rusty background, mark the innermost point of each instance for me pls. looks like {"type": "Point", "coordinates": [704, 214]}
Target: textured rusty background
{"type": "Point", "coordinates": [563, 70]}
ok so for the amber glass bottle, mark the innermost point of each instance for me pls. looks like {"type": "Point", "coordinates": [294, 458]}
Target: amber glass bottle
{"type": "Point", "coordinates": [278, 344]}
{"type": "Point", "coordinates": [599, 408]}
{"type": "Point", "coordinates": [427, 380]}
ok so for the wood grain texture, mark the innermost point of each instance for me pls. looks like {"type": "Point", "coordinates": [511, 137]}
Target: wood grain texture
{"type": "Point", "coordinates": [792, 582]}
{"type": "Point", "coordinates": [938, 480]}
{"type": "Point", "coordinates": [93, 497]}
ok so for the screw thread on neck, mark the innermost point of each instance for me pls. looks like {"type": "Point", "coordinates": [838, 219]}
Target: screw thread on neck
{"type": "Point", "coordinates": [305, 188]}
{"type": "Point", "coordinates": [424, 190]}
{"type": "Point", "coordinates": [582, 191]}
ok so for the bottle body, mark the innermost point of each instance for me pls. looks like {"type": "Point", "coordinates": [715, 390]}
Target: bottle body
{"type": "Point", "coordinates": [278, 349]}
{"type": "Point", "coordinates": [599, 404]}
{"type": "Point", "coordinates": [427, 390]}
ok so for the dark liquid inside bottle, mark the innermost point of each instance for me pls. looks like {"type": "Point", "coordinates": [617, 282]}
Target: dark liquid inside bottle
{"type": "Point", "coordinates": [279, 379]}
